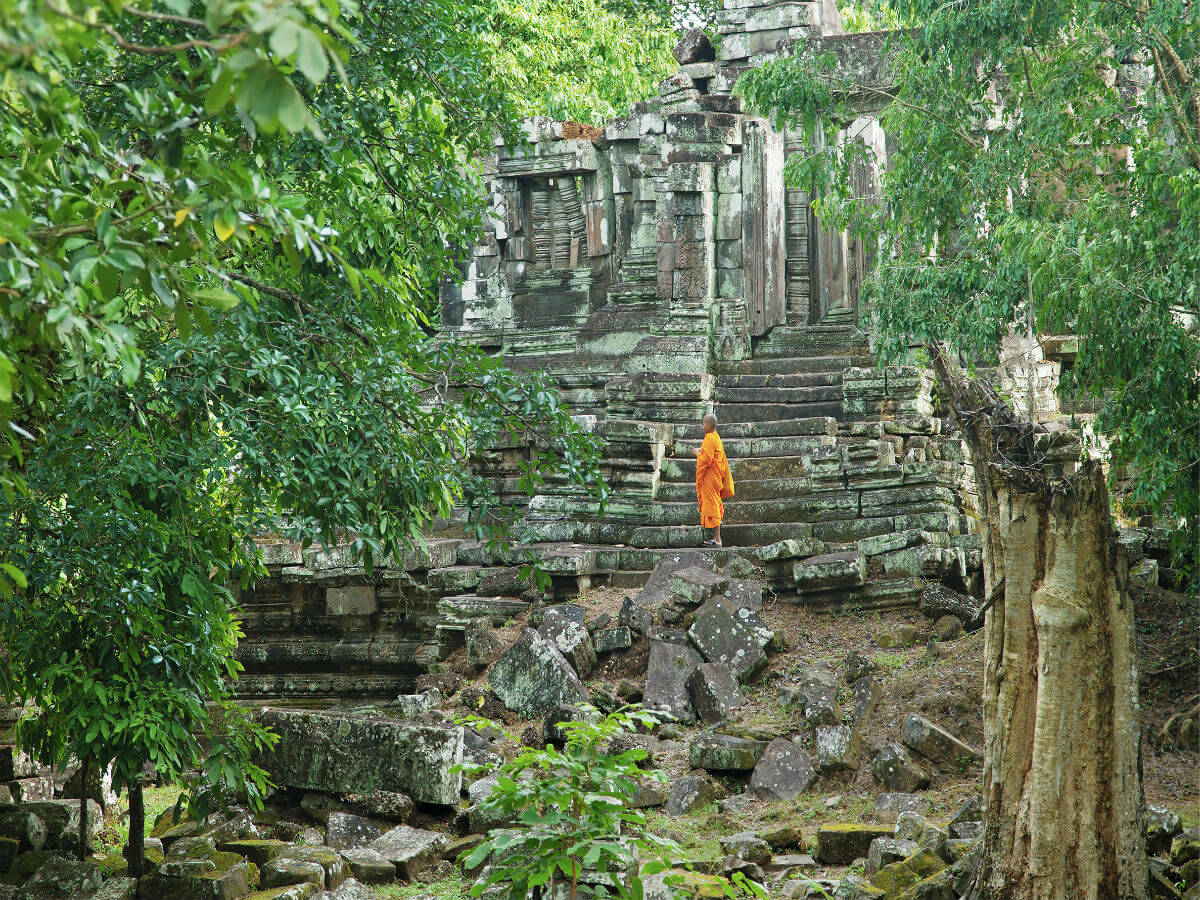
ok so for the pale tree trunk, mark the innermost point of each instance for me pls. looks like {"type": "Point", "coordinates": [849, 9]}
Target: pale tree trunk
{"type": "Point", "coordinates": [1062, 788]}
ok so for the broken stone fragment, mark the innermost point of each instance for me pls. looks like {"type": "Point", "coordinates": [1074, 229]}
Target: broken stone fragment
{"type": "Point", "coordinates": [724, 753]}
{"type": "Point", "coordinates": [572, 640]}
{"type": "Point", "coordinates": [608, 640]}
{"type": "Point", "coordinates": [286, 871]}
{"type": "Point", "coordinates": [484, 644]}
{"type": "Point", "coordinates": [783, 772]}
{"type": "Point", "coordinates": [412, 706]}
{"type": "Point", "coordinates": [694, 47]}
{"type": "Point", "coordinates": [346, 831]}
{"type": "Point", "coordinates": [714, 692]}
{"type": "Point", "coordinates": [936, 743]}
{"type": "Point", "coordinates": [369, 866]}
{"type": "Point", "coordinates": [667, 673]}
{"type": "Point", "coordinates": [346, 753]}
{"type": "Point", "coordinates": [1162, 825]}
{"type": "Point", "coordinates": [888, 807]}
{"type": "Point", "coordinates": [837, 748]}
{"type": "Point", "coordinates": [816, 695]}
{"type": "Point", "coordinates": [532, 677]}
{"type": "Point", "coordinates": [746, 845]}
{"type": "Point", "coordinates": [840, 845]}
{"type": "Point", "coordinates": [887, 850]}
{"type": "Point", "coordinates": [895, 770]}
{"type": "Point", "coordinates": [688, 793]}
{"type": "Point", "coordinates": [695, 584]}
{"type": "Point", "coordinates": [726, 633]}
{"type": "Point", "coordinates": [411, 850]}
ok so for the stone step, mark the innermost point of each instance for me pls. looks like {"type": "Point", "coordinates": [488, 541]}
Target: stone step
{"type": "Point", "coordinates": [741, 512]}
{"type": "Point", "coordinates": [683, 467]}
{"type": "Point", "coordinates": [773, 394]}
{"type": "Point", "coordinates": [788, 339]}
{"type": "Point", "coordinates": [327, 686]}
{"type": "Point", "coordinates": [795, 364]}
{"type": "Point", "coordinates": [815, 425]}
{"type": "Point", "coordinates": [770, 412]}
{"type": "Point", "coordinates": [780, 380]}
{"type": "Point", "coordinates": [759, 489]}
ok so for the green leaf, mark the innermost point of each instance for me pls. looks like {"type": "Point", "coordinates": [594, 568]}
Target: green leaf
{"type": "Point", "coordinates": [218, 298]}
{"type": "Point", "coordinates": [311, 59]}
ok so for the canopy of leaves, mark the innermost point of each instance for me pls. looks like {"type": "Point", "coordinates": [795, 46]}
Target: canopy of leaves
{"type": "Point", "coordinates": [221, 227]}
{"type": "Point", "coordinates": [581, 60]}
{"type": "Point", "coordinates": [1046, 175]}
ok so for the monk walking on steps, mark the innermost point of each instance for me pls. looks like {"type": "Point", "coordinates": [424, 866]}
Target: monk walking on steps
{"type": "Point", "coordinates": [713, 480]}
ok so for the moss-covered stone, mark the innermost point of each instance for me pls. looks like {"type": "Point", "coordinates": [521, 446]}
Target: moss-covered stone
{"type": "Point", "coordinates": [26, 864]}
{"type": "Point", "coordinates": [289, 892]}
{"type": "Point", "coordinates": [257, 850]}
{"type": "Point", "coordinates": [840, 845]}
{"type": "Point", "coordinates": [230, 878]}
{"type": "Point", "coordinates": [697, 886]}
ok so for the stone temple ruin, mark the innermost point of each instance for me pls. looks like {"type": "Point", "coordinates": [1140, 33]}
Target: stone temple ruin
{"type": "Point", "coordinates": [660, 270]}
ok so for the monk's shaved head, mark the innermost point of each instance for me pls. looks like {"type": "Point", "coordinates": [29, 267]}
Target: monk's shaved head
{"type": "Point", "coordinates": [710, 421]}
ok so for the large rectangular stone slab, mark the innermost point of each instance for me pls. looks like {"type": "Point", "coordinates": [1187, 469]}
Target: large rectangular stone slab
{"type": "Point", "coordinates": [346, 754]}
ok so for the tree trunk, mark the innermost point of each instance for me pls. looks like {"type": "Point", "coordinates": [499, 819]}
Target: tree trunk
{"type": "Point", "coordinates": [83, 809]}
{"type": "Point", "coordinates": [1062, 789]}
{"type": "Point", "coordinates": [136, 850]}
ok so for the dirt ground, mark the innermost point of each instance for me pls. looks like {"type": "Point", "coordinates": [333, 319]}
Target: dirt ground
{"type": "Point", "coordinates": [942, 684]}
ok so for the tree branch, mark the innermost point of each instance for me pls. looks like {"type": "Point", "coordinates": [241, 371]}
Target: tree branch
{"type": "Point", "coordinates": [156, 50]}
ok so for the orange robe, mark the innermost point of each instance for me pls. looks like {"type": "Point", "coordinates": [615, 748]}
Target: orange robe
{"type": "Point", "coordinates": [710, 477]}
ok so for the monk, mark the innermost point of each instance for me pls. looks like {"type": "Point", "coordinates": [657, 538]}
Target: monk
{"type": "Point", "coordinates": [712, 479]}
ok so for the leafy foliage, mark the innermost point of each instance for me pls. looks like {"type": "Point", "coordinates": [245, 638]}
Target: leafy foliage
{"type": "Point", "coordinates": [1046, 176]}
{"type": "Point", "coordinates": [571, 815]}
{"type": "Point", "coordinates": [580, 60]}
{"type": "Point", "coordinates": [216, 264]}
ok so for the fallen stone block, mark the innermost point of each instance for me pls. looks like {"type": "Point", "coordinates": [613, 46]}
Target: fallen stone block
{"type": "Point", "coordinates": [24, 828]}
{"type": "Point", "coordinates": [410, 850]}
{"type": "Point", "coordinates": [847, 568]}
{"type": "Point", "coordinates": [688, 793]}
{"type": "Point", "coordinates": [696, 584]}
{"type": "Point", "coordinates": [936, 743]}
{"type": "Point", "coordinates": [724, 753]}
{"type": "Point", "coordinates": [667, 673]}
{"type": "Point", "coordinates": [886, 850]}
{"type": "Point", "coordinates": [895, 770]}
{"type": "Point", "coordinates": [898, 877]}
{"type": "Point", "coordinates": [341, 753]}
{"type": "Point", "coordinates": [747, 846]}
{"type": "Point", "coordinates": [59, 877]}
{"type": "Point", "coordinates": [285, 871]}
{"type": "Point", "coordinates": [837, 748]}
{"type": "Point", "coordinates": [608, 640]}
{"type": "Point", "coordinates": [345, 831]}
{"type": "Point", "coordinates": [784, 771]}
{"type": "Point", "coordinates": [714, 692]}
{"type": "Point", "coordinates": [888, 807]}
{"type": "Point", "coordinates": [349, 890]}
{"type": "Point", "coordinates": [484, 644]}
{"type": "Point", "coordinates": [369, 866]}
{"type": "Point", "coordinates": [840, 845]}
{"type": "Point", "coordinates": [1162, 825]}
{"type": "Point", "coordinates": [532, 677]}
{"type": "Point", "coordinates": [572, 639]}
{"type": "Point", "coordinates": [221, 876]}
{"type": "Point", "coordinates": [816, 695]}
{"type": "Point", "coordinates": [727, 634]}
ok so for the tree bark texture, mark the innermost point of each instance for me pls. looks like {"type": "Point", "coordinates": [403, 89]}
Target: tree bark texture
{"type": "Point", "coordinates": [83, 809]}
{"type": "Point", "coordinates": [1064, 815]}
{"type": "Point", "coordinates": [136, 849]}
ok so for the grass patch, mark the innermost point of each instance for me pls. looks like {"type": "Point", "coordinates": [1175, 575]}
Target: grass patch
{"type": "Point", "coordinates": [115, 833]}
{"type": "Point", "coordinates": [452, 887]}
{"type": "Point", "coordinates": [889, 662]}
{"type": "Point", "coordinates": [695, 833]}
